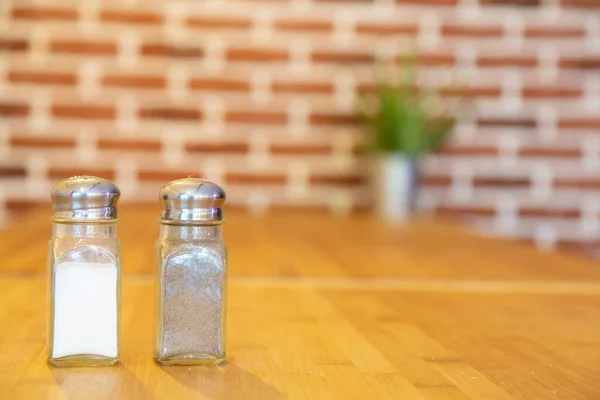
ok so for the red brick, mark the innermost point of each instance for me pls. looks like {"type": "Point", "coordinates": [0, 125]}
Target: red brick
{"type": "Point", "coordinates": [13, 44]}
{"type": "Point", "coordinates": [551, 92]}
{"type": "Point", "coordinates": [124, 144]}
{"type": "Point", "coordinates": [386, 29]}
{"type": "Point", "coordinates": [216, 23]}
{"type": "Point", "coordinates": [131, 17]}
{"type": "Point", "coordinates": [12, 172]}
{"type": "Point", "coordinates": [41, 142]}
{"type": "Point", "coordinates": [554, 32]}
{"type": "Point", "coordinates": [220, 84]}
{"type": "Point", "coordinates": [430, 2]}
{"type": "Point", "coordinates": [583, 4]}
{"type": "Point", "coordinates": [432, 59]}
{"type": "Point", "coordinates": [341, 57]}
{"type": "Point", "coordinates": [506, 122]}
{"type": "Point", "coordinates": [580, 123]}
{"type": "Point", "coordinates": [500, 181]}
{"type": "Point", "coordinates": [134, 81]}
{"type": "Point", "coordinates": [549, 213]}
{"type": "Point", "coordinates": [21, 205]}
{"type": "Point", "coordinates": [472, 31]}
{"type": "Point", "coordinates": [580, 183]}
{"type": "Point", "coordinates": [436, 180]}
{"type": "Point", "coordinates": [83, 112]}
{"type": "Point", "coordinates": [165, 176]}
{"type": "Point", "coordinates": [555, 152]}
{"type": "Point", "coordinates": [14, 109]}
{"type": "Point", "coordinates": [471, 92]}
{"type": "Point", "coordinates": [256, 117]}
{"type": "Point", "coordinates": [592, 63]}
{"type": "Point", "coordinates": [60, 14]}
{"type": "Point", "coordinates": [469, 151]}
{"type": "Point", "coordinates": [252, 179]}
{"type": "Point", "coordinates": [304, 25]}
{"type": "Point", "coordinates": [42, 78]}
{"type": "Point", "coordinates": [314, 209]}
{"type": "Point", "coordinates": [527, 3]}
{"type": "Point", "coordinates": [256, 55]}
{"type": "Point", "coordinates": [451, 211]}
{"type": "Point", "coordinates": [366, 88]}
{"type": "Point", "coordinates": [345, 1]}
{"type": "Point", "coordinates": [300, 149]}
{"type": "Point", "coordinates": [342, 180]}
{"type": "Point", "coordinates": [190, 114]}
{"type": "Point", "coordinates": [64, 173]}
{"type": "Point", "coordinates": [207, 147]}
{"type": "Point", "coordinates": [165, 50]}
{"type": "Point", "coordinates": [333, 119]}
{"type": "Point", "coordinates": [303, 87]}
{"type": "Point", "coordinates": [507, 61]}
{"type": "Point", "coordinates": [83, 47]}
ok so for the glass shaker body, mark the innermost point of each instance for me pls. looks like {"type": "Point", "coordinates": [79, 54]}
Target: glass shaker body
{"type": "Point", "coordinates": [191, 274]}
{"type": "Point", "coordinates": [84, 261]}
{"type": "Point", "coordinates": [191, 293]}
{"type": "Point", "coordinates": [84, 274]}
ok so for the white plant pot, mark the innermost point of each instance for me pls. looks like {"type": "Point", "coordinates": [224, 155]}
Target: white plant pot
{"type": "Point", "coordinates": [395, 180]}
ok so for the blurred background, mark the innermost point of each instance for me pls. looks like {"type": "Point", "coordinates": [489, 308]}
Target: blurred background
{"type": "Point", "coordinates": [261, 96]}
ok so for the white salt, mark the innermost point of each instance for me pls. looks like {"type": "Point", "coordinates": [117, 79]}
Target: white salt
{"type": "Point", "coordinates": [85, 309]}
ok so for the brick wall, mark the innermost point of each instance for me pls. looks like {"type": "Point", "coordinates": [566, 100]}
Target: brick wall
{"type": "Point", "coordinates": [258, 95]}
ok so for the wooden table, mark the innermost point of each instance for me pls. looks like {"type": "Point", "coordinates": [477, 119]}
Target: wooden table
{"type": "Point", "coordinates": [324, 308]}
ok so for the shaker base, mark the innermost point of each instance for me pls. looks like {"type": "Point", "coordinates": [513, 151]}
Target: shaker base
{"type": "Point", "coordinates": [83, 360]}
{"type": "Point", "coordinates": [192, 359]}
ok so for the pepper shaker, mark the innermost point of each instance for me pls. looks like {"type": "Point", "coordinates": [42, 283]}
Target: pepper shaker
{"type": "Point", "coordinates": [84, 274]}
{"type": "Point", "coordinates": [191, 274]}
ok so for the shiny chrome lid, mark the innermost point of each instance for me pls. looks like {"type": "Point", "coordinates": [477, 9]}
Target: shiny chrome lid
{"type": "Point", "coordinates": [193, 201]}
{"type": "Point", "coordinates": [85, 199]}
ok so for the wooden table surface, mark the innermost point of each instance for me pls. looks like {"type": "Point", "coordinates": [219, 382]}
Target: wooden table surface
{"type": "Point", "coordinates": [326, 308]}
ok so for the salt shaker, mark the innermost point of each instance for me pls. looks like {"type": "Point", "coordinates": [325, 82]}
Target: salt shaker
{"type": "Point", "coordinates": [191, 274]}
{"type": "Point", "coordinates": [84, 274]}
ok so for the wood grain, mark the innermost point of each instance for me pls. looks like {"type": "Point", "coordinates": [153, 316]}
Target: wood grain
{"type": "Point", "coordinates": [326, 308]}
{"type": "Point", "coordinates": [314, 244]}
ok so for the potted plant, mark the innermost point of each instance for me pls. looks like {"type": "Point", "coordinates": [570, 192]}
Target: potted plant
{"type": "Point", "coordinates": [404, 123]}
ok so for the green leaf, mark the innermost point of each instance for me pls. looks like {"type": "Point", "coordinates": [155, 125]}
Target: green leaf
{"type": "Point", "coordinates": [401, 120]}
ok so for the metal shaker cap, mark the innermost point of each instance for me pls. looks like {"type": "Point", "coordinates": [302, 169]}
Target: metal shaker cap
{"type": "Point", "coordinates": [85, 199]}
{"type": "Point", "coordinates": [191, 201]}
